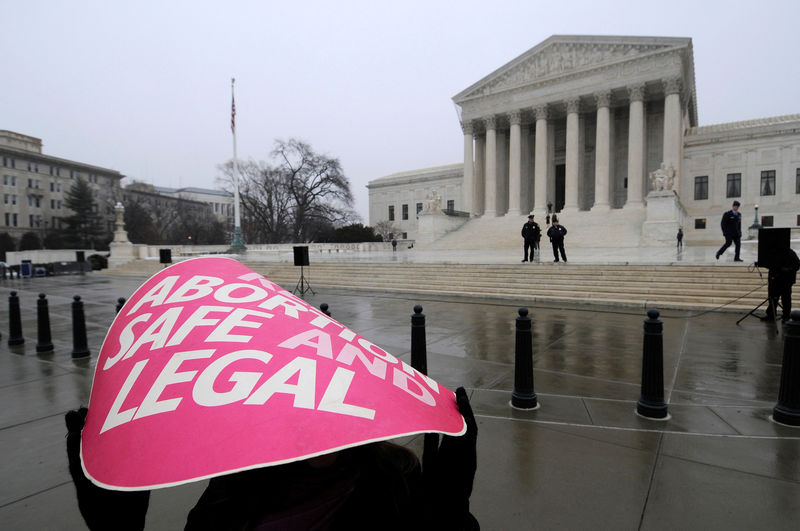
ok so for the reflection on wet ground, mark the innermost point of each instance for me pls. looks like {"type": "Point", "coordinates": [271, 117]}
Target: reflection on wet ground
{"type": "Point", "coordinates": [584, 459]}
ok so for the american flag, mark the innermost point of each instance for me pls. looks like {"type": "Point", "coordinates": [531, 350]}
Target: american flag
{"type": "Point", "coordinates": [233, 114]}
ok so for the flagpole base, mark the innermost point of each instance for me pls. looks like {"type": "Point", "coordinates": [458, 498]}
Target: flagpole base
{"type": "Point", "coordinates": [237, 246]}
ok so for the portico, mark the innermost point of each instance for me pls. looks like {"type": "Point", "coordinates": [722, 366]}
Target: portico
{"type": "Point", "coordinates": [577, 121]}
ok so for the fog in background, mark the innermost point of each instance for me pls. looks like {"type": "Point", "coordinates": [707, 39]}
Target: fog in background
{"type": "Point", "coordinates": [144, 87]}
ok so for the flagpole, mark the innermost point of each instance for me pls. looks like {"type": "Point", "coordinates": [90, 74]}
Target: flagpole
{"type": "Point", "coordinates": [237, 246]}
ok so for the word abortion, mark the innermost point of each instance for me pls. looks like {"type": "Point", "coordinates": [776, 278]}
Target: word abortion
{"type": "Point", "coordinates": [223, 314]}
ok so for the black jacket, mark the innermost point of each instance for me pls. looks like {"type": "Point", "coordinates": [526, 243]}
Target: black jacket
{"type": "Point", "coordinates": [531, 231]}
{"type": "Point", "coordinates": [732, 224]}
{"type": "Point", "coordinates": [557, 233]}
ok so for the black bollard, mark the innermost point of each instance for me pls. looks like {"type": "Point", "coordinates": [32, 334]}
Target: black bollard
{"type": "Point", "coordinates": [787, 411]}
{"type": "Point", "coordinates": [80, 347]}
{"type": "Point", "coordinates": [651, 403]}
{"type": "Point", "coordinates": [44, 342]}
{"type": "Point", "coordinates": [120, 304]}
{"type": "Point", "coordinates": [419, 347]}
{"type": "Point", "coordinates": [523, 396]}
{"type": "Point", "coordinates": [324, 308]}
{"type": "Point", "coordinates": [15, 336]}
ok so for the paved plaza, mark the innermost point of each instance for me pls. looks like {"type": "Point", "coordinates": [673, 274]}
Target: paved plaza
{"type": "Point", "coordinates": [583, 460]}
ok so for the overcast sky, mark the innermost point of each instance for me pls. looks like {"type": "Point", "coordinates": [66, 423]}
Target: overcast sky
{"type": "Point", "coordinates": [144, 87]}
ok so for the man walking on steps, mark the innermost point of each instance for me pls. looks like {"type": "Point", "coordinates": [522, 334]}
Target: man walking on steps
{"type": "Point", "coordinates": [556, 233]}
{"type": "Point", "coordinates": [732, 230]}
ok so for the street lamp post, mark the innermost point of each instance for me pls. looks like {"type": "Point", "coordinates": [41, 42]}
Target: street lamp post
{"type": "Point", "coordinates": [752, 231]}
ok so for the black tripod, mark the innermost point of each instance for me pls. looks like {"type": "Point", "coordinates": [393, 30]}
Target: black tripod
{"type": "Point", "coordinates": [303, 285]}
{"type": "Point", "coordinates": [769, 301]}
{"type": "Point", "coordinates": [771, 310]}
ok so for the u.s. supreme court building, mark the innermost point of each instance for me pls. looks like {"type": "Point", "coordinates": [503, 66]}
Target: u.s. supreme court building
{"type": "Point", "coordinates": [602, 131]}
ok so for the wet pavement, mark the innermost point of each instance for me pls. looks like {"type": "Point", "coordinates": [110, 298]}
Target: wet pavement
{"type": "Point", "coordinates": [583, 460]}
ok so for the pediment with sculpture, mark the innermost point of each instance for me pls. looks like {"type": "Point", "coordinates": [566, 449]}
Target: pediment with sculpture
{"type": "Point", "coordinates": [554, 58]}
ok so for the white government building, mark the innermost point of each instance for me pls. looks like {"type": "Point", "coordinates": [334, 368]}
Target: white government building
{"type": "Point", "coordinates": [603, 130]}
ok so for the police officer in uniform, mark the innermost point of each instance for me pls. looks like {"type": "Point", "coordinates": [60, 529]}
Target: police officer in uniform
{"type": "Point", "coordinates": [556, 233]}
{"type": "Point", "coordinates": [531, 233]}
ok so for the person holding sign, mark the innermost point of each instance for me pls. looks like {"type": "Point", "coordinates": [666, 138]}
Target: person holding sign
{"type": "Point", "coordinates": [217, 373]}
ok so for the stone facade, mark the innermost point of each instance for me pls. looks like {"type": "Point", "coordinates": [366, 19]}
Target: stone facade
{"type": "Point", "coordinates": [580, 123]}
{"type": "Point", "coordinates": [400, 197]}
{"type": "Point", "coordinates": [34, 186]}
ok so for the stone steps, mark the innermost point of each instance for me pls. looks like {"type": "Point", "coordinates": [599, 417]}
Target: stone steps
{"type": "Point", "coordinates": [663, 286]}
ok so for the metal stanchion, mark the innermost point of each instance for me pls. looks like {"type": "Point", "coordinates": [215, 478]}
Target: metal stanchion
{"type": "Point", "coordinates": [651, 402]}
{"type": "Point", "coordinates": [15, 336]}
{"type": "Point", "coordinates": [523, 396]}
{"type": "Point", "coordinates": [419, 348]}
{"type": "Point", "coordinates": [787, 410]}
{"type": "Point", "coordinates": [80, 348]}
{"type": "Point", "coordinates": [44, 340]}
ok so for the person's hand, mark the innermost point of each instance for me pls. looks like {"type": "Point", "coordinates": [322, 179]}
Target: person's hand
{"type": "Point", "coordinates": [101, 508]}
{"type": "Point", "coordinates": [448, 472]}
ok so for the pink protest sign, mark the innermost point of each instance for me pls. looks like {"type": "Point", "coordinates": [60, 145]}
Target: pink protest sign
{"type": "Point", "coordinates": [211, 368]}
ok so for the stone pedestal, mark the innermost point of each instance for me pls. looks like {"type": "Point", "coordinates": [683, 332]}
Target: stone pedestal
{"type": "Point", "coordinates": [664, 215]}
{"type": "Point", "coordinates": [433, 224]}
{"type": "Point", "coordinates": [122, 250]}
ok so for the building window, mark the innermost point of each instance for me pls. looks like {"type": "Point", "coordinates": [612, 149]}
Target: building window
{"type": "Point", "coordinates": [13, 180]}
{"type": "Point", "coordinates": [700, 223]}
{"type": "Point", "coordinates": [58, 187]}
{"type": "Point", "coordinates": [419, 208]}
{"type": "Point", "coordinates": [405, 235]}
{"type": "Point", "coordinates": [797, 182]}
{"type": "Point", "coordinates": [53, 204]}
{"type": "Point", "coordinates": [768, 182]}
{"type": "Point", "coordinates": [5, 180]}
{"type": "Point", "coordinates": [8, 219]}
{"type": "Point", "coordinates": [5, 199]}
{"type": "Point", "coordinates": [798, 220]}
{"type": "Point", "coordinates": [14, 220]}
{"type": "Point", "coordinates": [701, 187]}
{"type": "Point", "coordinates": [391, 212]}
{"type": "Point", "coordinates": [734, 186]}
{"type": "Point", "coordinates": [405, 211]}
{"type": "Point", "coordinates": [14, 200]}
{"type": "Point", "coordinates": [767, 221]}
{"type": "Point", "coordinates": [451, 204]}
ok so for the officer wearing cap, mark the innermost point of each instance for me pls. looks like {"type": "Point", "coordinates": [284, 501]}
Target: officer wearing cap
{"type": "Point", "coordinates": [531, 233]}
{"type": "Point", "coordinates": [732, 230]}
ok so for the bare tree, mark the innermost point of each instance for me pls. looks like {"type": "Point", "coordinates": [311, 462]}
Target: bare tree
{"type": "Point", "coordinates": [385, 229]}
{"type": "Point", "coordinates": [301, 196]}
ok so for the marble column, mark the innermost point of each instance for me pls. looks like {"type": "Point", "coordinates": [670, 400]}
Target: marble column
{"type": "Point", "coordinates": [480, 179]}
{"type": "Point", "coordinates": [571, 172]}
{"type": "Point", "coordinates": [673, 133]}
{"type": "Point", "coordinates": [490, 204]}
{"type": "Point", "coordinates": [514, 165]}
{"type": "Point", "coordinates": [468, 184]}
{"type": "Point", "coordinates": [602, 161]}
{"type": "Point", "coordinates": [540, 161]}
{"type": "Point", "coordinates": [636, 139]}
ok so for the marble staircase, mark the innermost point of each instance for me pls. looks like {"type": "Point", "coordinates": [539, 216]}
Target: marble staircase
{"type": "Point", "coordinates": [585, 229]}
{"type": "Point", "coordinates": [644, 286]}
